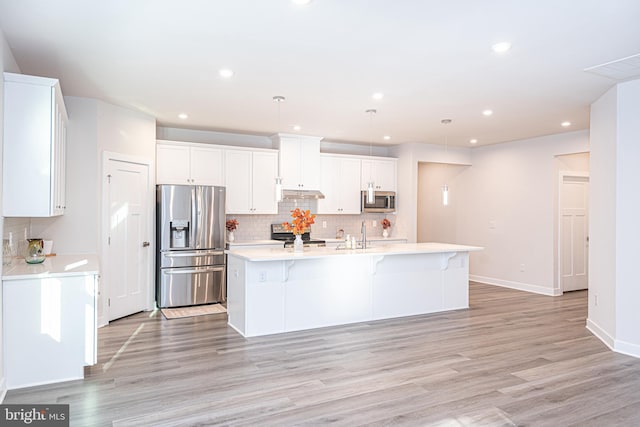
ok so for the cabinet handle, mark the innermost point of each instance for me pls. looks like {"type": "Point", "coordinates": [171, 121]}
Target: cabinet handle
{"type": "Point", "coordinates": [145, 244]}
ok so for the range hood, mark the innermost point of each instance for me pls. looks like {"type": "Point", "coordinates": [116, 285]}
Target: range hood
{"type": "Point", "coordinates": [302, 194]}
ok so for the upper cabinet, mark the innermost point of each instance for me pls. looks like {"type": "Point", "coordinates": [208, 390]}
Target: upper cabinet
{"type": "Point", "coordinates": [250, 181]}
{"type": "Point", "coordinates": [188, 164]}
{"type": "Point", "coordinates": [34, 151]}
{"type": "Point", "coordinates": [382, 171]}
{"type": "Point", "coordinates": [340, 184]}
{"type": "Point", "coordinates": [299, 161]}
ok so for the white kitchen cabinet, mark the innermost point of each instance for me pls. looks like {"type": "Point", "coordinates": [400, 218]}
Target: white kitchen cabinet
{"type": "Point", "coordinates": [383, 173]}
{"type": "Point", "coordinates": [34, 153]}
{"type": "Point", "coordinates": [299, 158]}
{"type": "Point", "coordinates": [340, 184]}
{"type": "Point", "coordinates": [49, 318]}
{"type": "Point", "coordinates": [250, 180]}
{"type": "Point", "coordinates": [189, 164]}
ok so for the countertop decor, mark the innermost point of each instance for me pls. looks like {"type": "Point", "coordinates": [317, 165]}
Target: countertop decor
{"type": "Point", "coordinates": [302, 220]}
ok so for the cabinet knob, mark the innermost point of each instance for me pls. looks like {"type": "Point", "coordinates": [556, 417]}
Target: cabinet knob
{"type": "Point", "coordinates": [145, 244]}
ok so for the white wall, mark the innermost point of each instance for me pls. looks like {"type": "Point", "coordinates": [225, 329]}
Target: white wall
{"type": "Point", "coordinates": [257, 141]}
{"type": "Point", "coordinates": [615, 208]}
{"type": "Point", "coordinates": [7, 63]}
{"type": "Point", "coordinates": [507, 203]}
{"type": "Point", "coordinates": [409, 156]}
{"type": "Point", "coordinates": [602, 217]}
{"type": "Point", "coordinates": [77, 231]}
{"type": "Point", "coordinates": [628, 219]}
{"type": "Point", "coordinates": [436, 222]}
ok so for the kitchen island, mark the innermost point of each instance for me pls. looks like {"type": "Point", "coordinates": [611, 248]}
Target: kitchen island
{"type": "Point", "coordinates": [272, 290]}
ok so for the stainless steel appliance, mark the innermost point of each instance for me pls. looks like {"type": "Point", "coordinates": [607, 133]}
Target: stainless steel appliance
{"type": "Point", "coordinates": [278, 232]}
{"type": "Point", "coordinates": [383, 201]}
{"type": "Point", "coordinates": [190, 262]}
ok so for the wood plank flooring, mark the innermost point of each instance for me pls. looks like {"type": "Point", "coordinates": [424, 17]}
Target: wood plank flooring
{"type": "Point", "coordinates": [512, 359]}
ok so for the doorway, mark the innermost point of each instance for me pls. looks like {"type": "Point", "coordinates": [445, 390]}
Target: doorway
{"type": "Point", "coordinates": [128, 249]}
{"type": "Point", "coordinates": [573, 250]}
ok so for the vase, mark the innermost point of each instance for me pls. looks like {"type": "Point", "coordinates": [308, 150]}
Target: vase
{"type": "Point", "coordinates": [385, 233]}
{"type": "Point", "coordinates": [298, 246]}
{"type": "Point", "coordinates": [231, 237]}
{"type": "Point", "coordinates": [35, 251]}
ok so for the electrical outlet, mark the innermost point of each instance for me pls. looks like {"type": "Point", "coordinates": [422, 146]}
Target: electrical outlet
{"type": "Point", "coordinates": [374, 223]}
{"type": "Point", "coordinates": [262, 276]}
{"type": "Point", "coordinates": [595, 300]}
{"type": "Point", "coordinates": [522, 268]}
{"type": "Point", "coordinates": [324, 224]}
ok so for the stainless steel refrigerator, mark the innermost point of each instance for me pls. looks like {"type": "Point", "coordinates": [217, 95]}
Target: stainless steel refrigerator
{"type": "Point", "coordinates": [190, 263]}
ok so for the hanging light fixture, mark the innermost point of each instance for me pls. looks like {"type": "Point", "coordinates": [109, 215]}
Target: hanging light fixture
{"type": "Point", "coordinates": [278, 188]}
{"type": "Point", "coordinates": [370, 186]}
{"type": "Point", "coordinates": [445, 187]}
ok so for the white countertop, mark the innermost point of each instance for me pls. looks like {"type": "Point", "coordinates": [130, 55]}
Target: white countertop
{"type": "Point", "coordinates": [53, 266]}
{"type": "Point", "coordinates": [369, 239]}
{"type": "Point", "coordinates": [254, 242]}
{"type": "Point", "coordinates": [277, 254]}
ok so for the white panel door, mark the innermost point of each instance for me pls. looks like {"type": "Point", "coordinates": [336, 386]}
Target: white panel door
{"type": "Point", "coordinates": [574, 238]}
{"type": "Point", "coordinates": [128, 249]}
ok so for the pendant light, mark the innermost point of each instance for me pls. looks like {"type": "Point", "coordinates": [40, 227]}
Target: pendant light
{"type": "Point", "coordinates": [278, 188]}
{"type": "Point", "coordinates": [445, 187]}
{"type": "Point", "coordinates": [370, 186]}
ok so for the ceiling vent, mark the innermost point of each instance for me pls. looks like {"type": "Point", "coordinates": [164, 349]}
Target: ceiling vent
{"type": "Point", "coordinates": [620, 69]}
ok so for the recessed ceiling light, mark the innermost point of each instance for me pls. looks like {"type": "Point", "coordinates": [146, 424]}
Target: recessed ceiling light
{"type": "Point", "coordinates": [487, 112]}
{"type": "Point", "coordinates": [183, 116]}
{"type": "Point", "coordinates": [378, 95]}
{"type": "Point", "coordinates": [473, 141]}
{"type": "Point", "coordinates": [300, 1]}
{"type": "Point", "coordinates": [296, 127]}
{"type": "Point", "coordinates": [225, 73]}
{"type": "Point", "coordinates": [565, 124]}
{"type": "Point", "coordinates": [386, 137]}
{"type": "Point", "coordinates": [501, 47]}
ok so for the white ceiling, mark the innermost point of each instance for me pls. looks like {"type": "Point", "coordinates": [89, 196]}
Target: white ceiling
{"type": "Point", "coordinates": [431, 59]}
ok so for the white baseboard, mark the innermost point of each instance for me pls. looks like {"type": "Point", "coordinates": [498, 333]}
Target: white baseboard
{"type": "Point", "coordinates": [616, 345]}
{"type": "Point", "coordinates": [3, 389]}
{"type": "Point", "coordinates": [516, 285]}
{"type": "Point", "coordinates": [627, 348]}
{"type": "Point", "coordinates": [601, 334]}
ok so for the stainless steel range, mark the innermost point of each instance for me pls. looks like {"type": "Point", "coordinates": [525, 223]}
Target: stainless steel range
{"type": "Point", "coordinates": [278, 232]}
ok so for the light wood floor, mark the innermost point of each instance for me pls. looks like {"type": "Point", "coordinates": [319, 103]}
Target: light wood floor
{"type": "Point", "coordinates": [513, 358]}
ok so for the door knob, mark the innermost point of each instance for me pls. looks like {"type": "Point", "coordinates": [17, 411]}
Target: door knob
{"type": "Point", "coordinates": [145, 244]}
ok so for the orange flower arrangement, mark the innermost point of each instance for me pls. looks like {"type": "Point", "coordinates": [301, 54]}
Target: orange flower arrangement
{"type": "Point", "coordinates": [385, 223]}
{"type": "Point", "coordinates": [232, 224]}
{"type": "Point", "coordinates": [301, 221]}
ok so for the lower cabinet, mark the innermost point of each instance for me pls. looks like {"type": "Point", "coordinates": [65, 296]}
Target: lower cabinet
{"type": "Point", "coordinates": [49, 327]}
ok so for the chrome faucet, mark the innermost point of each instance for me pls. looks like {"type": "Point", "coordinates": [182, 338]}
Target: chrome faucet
{"type": "Point", "coordinates": [363, 230]}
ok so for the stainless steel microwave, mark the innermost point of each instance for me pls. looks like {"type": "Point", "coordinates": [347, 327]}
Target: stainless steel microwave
{"type": "Point", "coordinates": [383, 201]}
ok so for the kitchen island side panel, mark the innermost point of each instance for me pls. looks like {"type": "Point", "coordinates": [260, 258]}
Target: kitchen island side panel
{"type": "Point", "coordinates": [274, 296]}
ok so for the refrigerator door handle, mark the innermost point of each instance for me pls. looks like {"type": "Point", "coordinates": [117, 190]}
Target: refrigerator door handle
{"type": "Point", "coordinates": [194, 270]}
{"type": "Point", "coordinates": [192, 254]}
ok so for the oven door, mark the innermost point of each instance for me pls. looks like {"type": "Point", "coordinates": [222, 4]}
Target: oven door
{"type": "Point", "coordinates": [192, 286]}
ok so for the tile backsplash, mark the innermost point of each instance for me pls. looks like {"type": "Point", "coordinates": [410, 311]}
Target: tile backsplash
{"type": "Point", "coordinates": [258, 227]}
